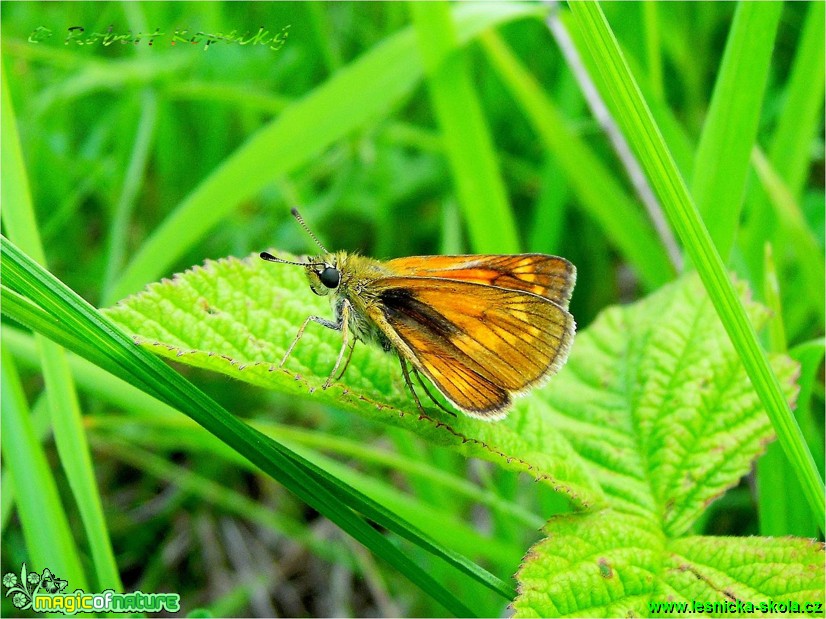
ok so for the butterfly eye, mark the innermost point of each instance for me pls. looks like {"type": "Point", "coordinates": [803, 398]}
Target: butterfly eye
{"type": "Point", "coordinates": [330, 277]}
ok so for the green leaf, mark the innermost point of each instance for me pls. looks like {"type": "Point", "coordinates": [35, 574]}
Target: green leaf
{"type": "Point", "coordinates": [656, 399]}
{"type": "Point", "coordinates": [636, 122]}
{"type": "Point", "coordinates": [671, 422]}
{"type": "Point", "coordinates": [610, 564]}
{"type": "Point", "coordinates": [240, 316]}
{"type": "Point", "coordinates": [649, 408]}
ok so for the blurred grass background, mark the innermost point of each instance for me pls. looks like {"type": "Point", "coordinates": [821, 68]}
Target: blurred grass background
{"type": "Point", "coordinates": [143, 161]}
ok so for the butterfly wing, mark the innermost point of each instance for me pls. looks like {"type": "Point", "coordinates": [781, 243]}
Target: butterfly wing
{"type": "Point", "coordinates": [547, 276]}
{"type": "Point", "coordinates": [478, 344]}
{"type": "Point", "coordinates": [52, 583]}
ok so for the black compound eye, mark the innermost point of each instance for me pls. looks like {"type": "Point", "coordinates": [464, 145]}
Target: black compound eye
{"type": "Point", "coordinates": [330, 277]}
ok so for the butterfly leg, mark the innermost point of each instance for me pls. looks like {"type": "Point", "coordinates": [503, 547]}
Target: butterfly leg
{"type": "Point", "coordinates": [322, 321]}
{"type": "Point", "coordinates": [346, 363]}
{"type": "Point", "coordinates": [343, 326]}
{"type": "Point", "coordinates": [409, 383]}
{"type": "Point", "coordinates": [430, 395]}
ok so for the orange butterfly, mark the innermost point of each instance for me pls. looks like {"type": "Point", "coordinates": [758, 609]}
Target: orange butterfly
{"type": "Point", "coordinates": [482, 328]}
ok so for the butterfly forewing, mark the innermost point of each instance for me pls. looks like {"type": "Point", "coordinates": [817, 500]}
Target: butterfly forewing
{"type": "Point", "coordinates": [547, 276]}
{"type": "Point", "coordinates": [477, 343]}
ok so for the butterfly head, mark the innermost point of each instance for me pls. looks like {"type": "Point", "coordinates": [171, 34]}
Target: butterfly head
{"type": "Point", "coordinates": [322, 271]}
{"type": "Point", "coordinates": [323, 276]}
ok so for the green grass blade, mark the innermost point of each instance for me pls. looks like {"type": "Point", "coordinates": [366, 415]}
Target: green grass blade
{"type": "Point", "coordinates": [73, 449]}
{"type": "Point", "coordinates": [619, 144]}
{"type": "Point", "coordinates": [653, 52]}
{"type": "Point", "coordinates": [790, 150]}
{"type": "Point", "coordinates": [42, 429]}
{"type": "Point", "coordinates": [676, 136]}
{"type": "Point", "coordinates": [119, 227]}
{"type": "Point", "coordinates": [49, 539]}
{"type": "Point", "coordinates": [467, 138]}
{"type": "Point", "coordinates": [810, 356]}
{"type": "Point", "coordinates": [773, 470]}
{"type": "Point", "coordinates": [116, 352]}
{"type": "Point", "coordinates": [636, 122]}
{"type": "Point", "coordinates": [789, 155]}
{"type": "Point", "coordinates": [69, 433]}
{"type": "Point", "coordinates": [792, 230]}
{"type": "Point", "coordinates": [360, 92]}
{"type": "Point", "coordinates": [730, 130]}
{"type": "Point", "coordinates": [599, 192]}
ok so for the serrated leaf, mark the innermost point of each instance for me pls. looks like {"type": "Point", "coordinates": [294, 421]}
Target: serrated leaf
{"type": "Point", "coordinates": [653, 407]}
{"type": "Point", "coordinates": [610, 564]}
{"type": "Point", "coordinates": [657, 401]}
{"type": "Point", "coordinates": [239, 316]}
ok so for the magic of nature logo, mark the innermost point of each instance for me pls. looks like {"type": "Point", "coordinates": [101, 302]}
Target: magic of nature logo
{"type": "Point", "coordinates": [44, 592]}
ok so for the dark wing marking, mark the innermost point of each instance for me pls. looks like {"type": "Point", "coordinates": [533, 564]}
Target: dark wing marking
{"type": "Point", "coordinates": [477, 343]}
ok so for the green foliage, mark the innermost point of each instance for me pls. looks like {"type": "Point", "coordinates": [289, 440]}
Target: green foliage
{"type": "Point", "coordinates": [673, 422]}
{"type": "Point", "coordinates": [653, 405]}
{"type": "Point", "coordinates": [240, 316]}
{"type": "Point", "coordinates": [33, 296]}
{"type": "Point", "coordinates": [636, 121]}
{"type": "Point", "coordinates": [609, 564]}
{"type": "Point", "coordinates": [403, 130]}
{"type": "Point", "coordinates": [370, 86]}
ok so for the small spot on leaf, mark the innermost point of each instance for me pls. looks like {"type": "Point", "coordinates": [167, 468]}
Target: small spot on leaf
{"type": "Point", "coordinates": [605, 569]}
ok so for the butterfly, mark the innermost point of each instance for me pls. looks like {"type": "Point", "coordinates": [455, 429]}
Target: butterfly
{"type": "Point", "coordinates": [482, 329]}
{"type": "Point", "coordinates": [52, 583]}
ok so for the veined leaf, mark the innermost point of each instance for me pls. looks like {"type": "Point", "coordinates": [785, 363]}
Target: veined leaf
{"type": "Point", "coordinates": [637, 124]}
{"type": "Point", "coordinates": [239, 316]}
{"type": "Point", "coordinates": [609, 564]}
{"type": "Point", "coordinates": [658, 402]}
{"type": "Point", "coordinates": [656, 399]}
{"type": "Point", "coordinates": [653, 409]}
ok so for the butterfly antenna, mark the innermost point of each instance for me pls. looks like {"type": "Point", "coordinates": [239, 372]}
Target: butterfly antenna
{"type": "Point", "coordinates": [265, 255]}
{"type": "Point", "coordinates": [301, 221]}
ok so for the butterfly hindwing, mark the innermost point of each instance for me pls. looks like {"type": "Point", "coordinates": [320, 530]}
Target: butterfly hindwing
{"type": "Point", "coordinates": [479, 344]}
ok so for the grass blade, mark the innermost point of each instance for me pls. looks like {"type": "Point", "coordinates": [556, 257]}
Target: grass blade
{"type": "Point", "coordinates": [773, 471]}
{"type": "Point", "coordinates": [617, 140]}
{"type": "Point", "coordinates": [115, 351]}
{"type": "Point", "coordinates": [638, 125]}
{"type": "Point", "coordinates": [69, 433]}
{"type": "Point", "coordinates": [45, 526]}
{"type": "Point", "coordinates": [600, 194]}
{"type": "Point", "coordinates": [467, 139]}
{"type": "Point", "coordinates": [789, 156]}
{"type": "Point", "coordinates": [730, 130]}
